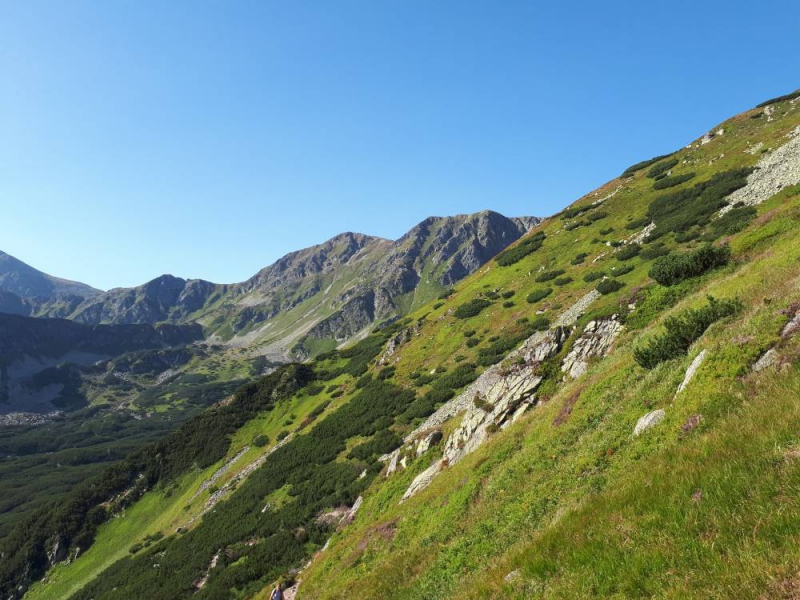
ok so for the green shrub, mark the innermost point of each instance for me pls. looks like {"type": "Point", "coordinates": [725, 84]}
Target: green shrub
{"type": "Point", "coordinates": [682, 331]}
{"type": "Point", "coordinates": [260, 441]}
{"type": "Point", "coordinates": [314, 389]}
{"type": "Point", "coordinates": [471, 308]}
{"type": "Point", "coordinates": [654, 251]}
{"type": "Point", "coordinates": [662, 168]}
{"type": "Point", "coordinates": [597, 216]}
{"type": "Point", "coordinates": [563, 281]}
{"type": "Point", "coordinates": [579, 258]}
{"type": "Point", "coordinates": [672, 269]}
{"type": "Point", "coordinates": [593, 276]}
{"type": "Point", "coordinates": [791, 96]}
{"type": "Point", "coordinates": [734, 221]}
{"type": "Point", "coordinates": [508, 294]}
{"type": "Point", "coordinates": [668, 182]}
{"type": "Point", "coordinates": [637, 223]}
{"type": "Point", "coordinates": [508, 304]}
{"type": "Point", "coordinates": [621, 270]}
{"type": "Point", "coordinates": [571, 213]}
{"type": "Point", "coordinates": [438, 305]}
{"type": "Point", "coordinates": [446, 294]}
{"type": "Point", "coordinates": [386, 373]}
{"type": "Point", "coordinates": [472, 342]}
{"type": "Point", "coordinates": [548, 275]}
{"type": "Point", "coordinates": [628, 252]}
{"type": "Point", "coordinates": [363, 381]}
{"type": "Point", "coordinates": [525, 247]}
{"type": "Point", "coordinates": [539, 294]}
{"type": "Point", "coordinates": [641, 165]}
{"type": "Point", "coordinates": [575, 224]}
{"type": "Point", "coordinates": [686, 208]}
{"type": "Point", "coordinates": [469, 333]}
{"type": "Point", "coordinates": [607, 286]}
{"type": "Point", "coordinates": [687, 236]}
{"type": "Point", "coordinates": [606, 231]}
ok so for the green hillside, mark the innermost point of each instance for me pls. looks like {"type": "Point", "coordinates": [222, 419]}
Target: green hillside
{"type": "Point", "coordinates": [607, 409]}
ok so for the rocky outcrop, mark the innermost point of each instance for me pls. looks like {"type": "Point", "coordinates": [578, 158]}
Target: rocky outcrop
{"type": "Point", "coordinates": [776, 170]}
{"type": "Point", "coordinates": [649, 420]}
{"type": "Point", "coordinates": [501, 394]}
{"type": "Point", "coordinates": [691, 371]}
{"type": "Point", "coordinates": [596, 340]}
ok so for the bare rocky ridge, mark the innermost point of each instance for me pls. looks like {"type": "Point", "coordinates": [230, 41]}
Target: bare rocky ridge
{"type": "Point", "coordinates": [333, 291]}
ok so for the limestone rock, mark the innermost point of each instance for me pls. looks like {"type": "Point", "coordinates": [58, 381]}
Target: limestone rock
{"type": "Point", "coordinates": [596, 340]}
{"type": "Point", "coordinates": [428, 442]}
{"type": "Point", "coordinates": [690, 372]}
{"type": "Point", "coordinates": [648, 421]}
{"type": "Point", "coordinates": [767, 360]}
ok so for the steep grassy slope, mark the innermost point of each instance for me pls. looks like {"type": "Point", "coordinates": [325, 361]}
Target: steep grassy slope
{"type": "Point", "coordinates": [561, 502]}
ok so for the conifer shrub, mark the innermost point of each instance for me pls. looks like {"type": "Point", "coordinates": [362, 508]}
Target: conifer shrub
{"type": "Point", "coordinates": [662, 168]}
{"type": "Point", "coordinates": [549, 275]}
{"type": "Point", "coordinates": [260, 441]}
{"type": "Point", "coordinates": [608, 286]}
{"type": "Point", "coordinates": [680, 211]}
{"type": "Point", "coordinates": [606, 231]}
{"type": "Point", "coordinates": [643, 164]}
{"type": "Point", "coordinates": [471, 308]}
{"type": "Point", "coordinates": [637, 223]}
{"type": "Point", "coordinates": [525, 247]}
{"type": "Point", "coordinates": [682, 330]}
{"type": "Point", "coordinates": [654, 251]}
{"type": "Point", "coordinates": [674, 268]}
{"type": "Point", "coordinates": [621, 270]}
{"type": "Point", "coordinates": [668, 182]}
{"type": "Point", "coordinates": [579, 258]}
{"type": "Point", "coordinates": [628, 252]}
{"type": "Point", "coordinates": [563, 281]}
{"type": "Point", "coordinates": [734, 221]}
{"type": "Point", "coordinates": [596, 216]}
{"type": "Point", "coordinates": [593, 276]}
{"type": "Point", "coordinates": [539, 294]}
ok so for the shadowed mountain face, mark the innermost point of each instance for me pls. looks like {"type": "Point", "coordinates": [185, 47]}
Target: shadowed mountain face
{"type": "Point", "coordinates": [310, 300]}
{"type": "Point", "coordinates": [26, 282]}
{"type": "Point", "coordinates": [41, 360]}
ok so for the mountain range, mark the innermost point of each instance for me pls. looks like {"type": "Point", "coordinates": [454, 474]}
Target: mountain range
{"type": "Point", "coordinates": [308, 301]}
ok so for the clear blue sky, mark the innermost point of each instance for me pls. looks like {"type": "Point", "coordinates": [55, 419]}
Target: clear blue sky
{"type": "Point", "coordinates": [206, 139]}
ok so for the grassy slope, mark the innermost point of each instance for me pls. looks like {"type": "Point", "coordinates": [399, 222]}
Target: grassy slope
{"type": "Point", "coordinates": [546, 498]}
{"type": "Point", "coordinates": [480, 518]}
{"type": "Point", "coordinates": [164, 510]}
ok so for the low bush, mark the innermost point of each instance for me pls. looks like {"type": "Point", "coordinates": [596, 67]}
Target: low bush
{"type": "Point", "coordinates": [548, 275]}
{"type": "Point", "coordinates": [668, 182]}
{"type": "Point", "coordinates": [593, 276]}
{"type": "Point", "coordinates": [508, 294]}
{"type": "Point", "coordinates": [643, 164]}
{"type": "Point", "coordinates": [682, 330]}
{"type": "Point", "coordinates": [637, 223]}
{"type": "Point", "coordinates": [260, 441]}
{"type": "Point", "coordinates": [539, 294]}
{"type": "Point", "coordinates": [662, 168]}
{"type": "Point", "coordinates": [606, 231]}
{"type": "Point", "coordinates": [579, 258]}
{"type": "Point", "coordinates": [575, 224]}
{"type": "Point", "coordinates": [654, 251]}
{"type": "Point", "coordinates": [597, 216]}
{"type": "Point", "coordinates": [471, 308]}
{"type": "Point", "coordinates": [680, 211]}
{"type": "Point", "coordinates": [472, 342]}
{"type": "Point", "coordinates": [734, 221]}
{"type": "Point", "coordinates": [628, 252]}
{"type": "Point", "coordinates": [791, 96]}
{"type": "Point", "coordinates": [607, 286]}
{"type": "Point", "coordinates": [508, 304]}
{"type": "Point", "coordinates": [621, 270]}
{"type": "Point", "coordinates": [563, 281]}
{"type": "Point", "coordinates": [525, 247]}
{"type": "Point", "coordinates": [672, 269]}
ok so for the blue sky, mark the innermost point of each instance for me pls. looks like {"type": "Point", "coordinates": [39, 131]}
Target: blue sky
{"type": "Point", "coordinates": [207, 139]}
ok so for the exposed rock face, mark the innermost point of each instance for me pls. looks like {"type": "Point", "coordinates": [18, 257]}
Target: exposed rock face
{"type": "Point", "coordinates": [338, 288]}
{"type": "Point", "coordinates": [648, 421]}
{"type": "Point", "coordinates": [497, 398]}
{"type": "Point", "coordinates": [428, 442]}
{"type": "Point", "coordinates": [596, 340]}
{"type": "Point", "coordinates": [776, 170]}
{"type": "Point", "coordinates": [766, 360]}
{"type": "Point", "coordinates": [691, 371]}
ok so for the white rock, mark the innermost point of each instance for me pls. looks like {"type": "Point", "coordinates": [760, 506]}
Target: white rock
{"type": "Point", "coordinates": [648, 420]}
{"type": "Point", "coordinates": [690, 372]}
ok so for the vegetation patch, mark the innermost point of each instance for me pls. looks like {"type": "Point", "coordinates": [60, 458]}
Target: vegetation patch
{"type": "Point", "coordinates": [471, 308]}
{"type": "Point", "coordinates": [672, 269]}
{"type": "Point", "coordinates": [662, 168]}
{"type": "Point", "coordinates": [549, 275]}
{"type": "Point", "coordinates": [525, 247]}
{"type": "Point", "coordinates": [643, 164]}
{"type": "Point", "coordinates": [668, 182]}
{"type": "Point", "coordinates": [608, 286]}
{"type": "Point", "coordinates": [682, 331]}
{"type": "Point", "coordinates": [539, 294]}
